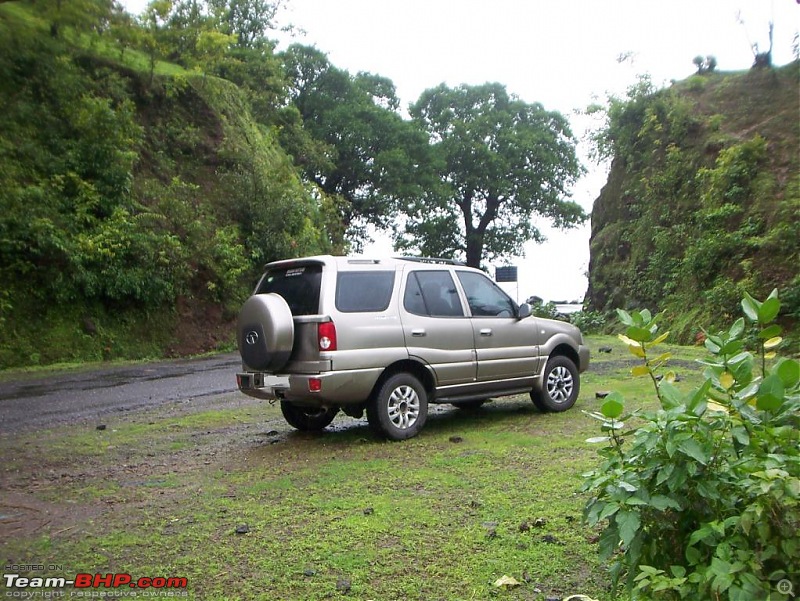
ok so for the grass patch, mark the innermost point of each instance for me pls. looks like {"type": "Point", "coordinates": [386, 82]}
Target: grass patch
{"type": "Point", "coordinates": [477, 495]}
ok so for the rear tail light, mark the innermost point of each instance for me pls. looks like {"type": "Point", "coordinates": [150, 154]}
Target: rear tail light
{"type": "Point", "coordinates": [326, 335]}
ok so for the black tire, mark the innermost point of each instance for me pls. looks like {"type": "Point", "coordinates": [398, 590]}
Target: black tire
{"type": "Point", "coordinates": [559, 387]}
{"type": "Point", "coordinates": [308, 419]}
{"type": "Point", "coordinates": [399, 409]}
{"type": "Point", "coordinates": [265, 332]}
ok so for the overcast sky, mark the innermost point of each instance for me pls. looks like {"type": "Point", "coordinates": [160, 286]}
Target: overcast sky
{"type": "Point", "coordinates": [562, 53]}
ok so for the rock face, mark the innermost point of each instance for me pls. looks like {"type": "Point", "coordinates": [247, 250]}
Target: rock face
{"type": "Point", "coordinates": [702, 199]}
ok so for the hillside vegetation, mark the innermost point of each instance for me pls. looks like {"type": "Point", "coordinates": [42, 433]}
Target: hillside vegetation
{"type": "Point", "coordinates": [139, 201]}
{"type": "Point", "coordinates": [703, 198]}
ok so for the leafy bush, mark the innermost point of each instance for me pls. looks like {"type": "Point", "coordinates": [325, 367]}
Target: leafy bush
{"type": "Point", "coordinates": [702, 501]}
{"type": "Point", "coordinates": [589, 322]}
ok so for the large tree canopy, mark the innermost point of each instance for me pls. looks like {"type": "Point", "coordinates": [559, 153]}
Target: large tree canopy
{"type": "Point", "coordinates": [498, 162]}
{"type": "Point", "coordinates": [374, 156]}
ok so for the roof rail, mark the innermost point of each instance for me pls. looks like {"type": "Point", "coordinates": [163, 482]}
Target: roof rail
{"type": "Point", "coordinates": [432, 260]}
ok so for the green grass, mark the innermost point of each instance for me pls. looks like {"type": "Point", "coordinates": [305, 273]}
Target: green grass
{"type": "Point", "coordinates": [477, 495]}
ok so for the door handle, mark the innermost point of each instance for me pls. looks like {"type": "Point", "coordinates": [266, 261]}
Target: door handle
{"type": "Point", "coordinates": [418, 333]}
{"type": "Point", "coordinates": [486, 332]}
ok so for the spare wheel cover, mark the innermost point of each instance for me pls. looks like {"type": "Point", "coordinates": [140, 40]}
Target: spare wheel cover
{"type": "Point", "coordinates": [265, 332]}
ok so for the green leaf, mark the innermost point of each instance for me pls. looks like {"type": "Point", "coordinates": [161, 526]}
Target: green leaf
{"type": "Point", "coordinates": [770, 393]}
{"type": "Point", "coordinates": [613, 406]}
{"type": "Point", "coordinates": [638, 334]}
{"type": "Point", "coordinates": [598, 439]}
{"type": "Point", "coordinates": [731, 347]}
{"type": "Point", "coordinates": [768, 310]}
{"type": "Point", "coordinates": [671, 396]}
{"type": "Point", "coordinates": [625, 317]}
{"type": "Point", "coordinates": [737, 328]}
{"type": "Point", "coordinates": [788, 370]}
{"type": "Point", "coordinates": [750, 307]}
{"type": "Point", "coordinates": [770, 332]}
{"type": "Point", "coordinates": [662, 503]}
{"type": "Point", "coordinates": [712, 345]}
{"type": "Point", "coordinates": [608, 510]}
{"type": "Point", "coordinates": [693, 449]}
{"type": "Point", "coordinates": [628, 522]}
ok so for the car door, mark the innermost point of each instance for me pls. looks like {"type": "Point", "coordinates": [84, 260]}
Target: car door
{"type": "Point", "coordinates": [436, 327]}
{"type": "Point", "coordinates": [505, 345]}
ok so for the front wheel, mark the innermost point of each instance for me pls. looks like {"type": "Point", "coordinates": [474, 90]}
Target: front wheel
{"type": "Point", "coordinates": [559, 387]}
{"type": "Point", "coordinates": [308, 419]}
{"type": "Point", "coordinates": [399, 409]}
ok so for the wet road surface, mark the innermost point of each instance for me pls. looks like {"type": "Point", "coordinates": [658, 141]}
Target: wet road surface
{"type": "Point", "coordinates": [37, 401]}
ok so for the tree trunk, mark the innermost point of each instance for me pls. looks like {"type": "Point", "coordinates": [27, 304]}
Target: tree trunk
{"type": "Point", "coordinates": [474, 249]}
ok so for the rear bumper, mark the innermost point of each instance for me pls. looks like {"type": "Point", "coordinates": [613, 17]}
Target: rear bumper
{"type": "Point", "coordinates": [327, 388]}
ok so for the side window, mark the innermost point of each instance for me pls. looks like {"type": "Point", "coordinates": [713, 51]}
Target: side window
{"type": "Point", "coordinates": [485, 297]}
{"type": "Point", "coordinates": [364, 291]}
{"type": "Point", "coordinates": [432, 293]}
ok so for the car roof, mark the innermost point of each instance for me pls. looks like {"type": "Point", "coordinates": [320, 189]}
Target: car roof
{"type": "Point", "coordinates": [361, 261]}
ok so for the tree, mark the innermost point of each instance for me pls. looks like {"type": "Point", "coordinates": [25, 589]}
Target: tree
{"type": "Point", "coordinates": [374, 159]}
{"type": "Point", "coordinates": [498, 163]}
{"type": "Point", "coordinates": [248, 20]}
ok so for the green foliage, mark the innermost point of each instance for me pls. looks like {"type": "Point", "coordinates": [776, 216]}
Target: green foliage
{"type": "Point", "coordinates": [541, 309]}
{"type": "Point", "coordinates": [497, 161]}
{"type": "Point", "coordinates": [589, 322]}
{"type": "Point", "coordinates": [702, 499]}
{"type": "Point", "coordinates": [702, 198]}
{"type": "Point", "coordinates": [358, 148]}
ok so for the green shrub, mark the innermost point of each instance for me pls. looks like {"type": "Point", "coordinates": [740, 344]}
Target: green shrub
{"type": "Point", "coordinates": [702, 500]}
{"type": "Point", "coordinates": [589, 322]}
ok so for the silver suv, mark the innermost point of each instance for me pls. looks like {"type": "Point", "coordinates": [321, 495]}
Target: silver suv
{"type": "Point", "coordinates": [389, 336]}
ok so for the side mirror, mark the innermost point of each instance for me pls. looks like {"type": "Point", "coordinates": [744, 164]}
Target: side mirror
{"type": "Point", "coordinates": [524, 311]}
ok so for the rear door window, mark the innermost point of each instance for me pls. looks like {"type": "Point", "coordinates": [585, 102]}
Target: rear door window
{"type": "Point", "coordinates": [432, 293]}
{"type": "Point", "coordinates": [299, 286]}
{"type": "Point", "coordinates": [364, 291]}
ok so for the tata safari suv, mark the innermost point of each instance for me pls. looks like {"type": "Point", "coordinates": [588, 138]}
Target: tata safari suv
{"type": "Point", "coordinates": [390, 336]}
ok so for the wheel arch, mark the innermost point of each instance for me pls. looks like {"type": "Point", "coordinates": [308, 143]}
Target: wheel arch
{"type": "Point", "coordinates": [409, 366]}
{"type": "Point", "coordinates": [560, 350]}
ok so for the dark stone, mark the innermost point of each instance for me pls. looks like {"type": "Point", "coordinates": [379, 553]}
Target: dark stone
{"type": "Point", "coordinates": [242, 529]}
{"type": "Point", "coordinates": [343, 585]}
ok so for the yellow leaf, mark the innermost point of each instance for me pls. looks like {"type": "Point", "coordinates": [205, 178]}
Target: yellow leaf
{"type": "Point", "coordinates": [628, 341]}
{"type": "Point", "coordinates": [670, 377]}
{"type": "Point", "coordinates": [506, 581]}
{"type": "Point", "coordinates": [712, 406]}
{"type": "Point", "coordinates": [637, 351]}
{"type": "Point", "coordinates": [773, 342]}
{"type": "Point", "coordinates": [640, 370]}
{"type": "Point", "coordinates": [660, 339]}
{"type": "Point", "coordinates": [726, 380]}
{"type": "Point", "coordinates": [771, 355]}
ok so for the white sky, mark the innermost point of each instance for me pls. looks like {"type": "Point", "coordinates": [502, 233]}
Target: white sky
{"type": "Point", "coordinates": [561, 53]}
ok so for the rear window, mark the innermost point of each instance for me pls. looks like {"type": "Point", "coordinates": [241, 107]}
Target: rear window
{"type": "Point", "coordinates": [299, 286]}
{"type": "Point", "coordinates": [364, 291]}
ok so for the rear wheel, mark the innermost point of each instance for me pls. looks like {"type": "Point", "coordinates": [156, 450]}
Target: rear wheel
{"type": "Point", "coordinates": [308, 419]}
{"type": "Point", "coordinates": [399, 409]}
{"type": "Point", "coordinates": [560, 385]}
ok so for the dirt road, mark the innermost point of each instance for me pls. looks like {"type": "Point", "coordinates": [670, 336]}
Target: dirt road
{"type": "Point", "coordinates": [87, 396]}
